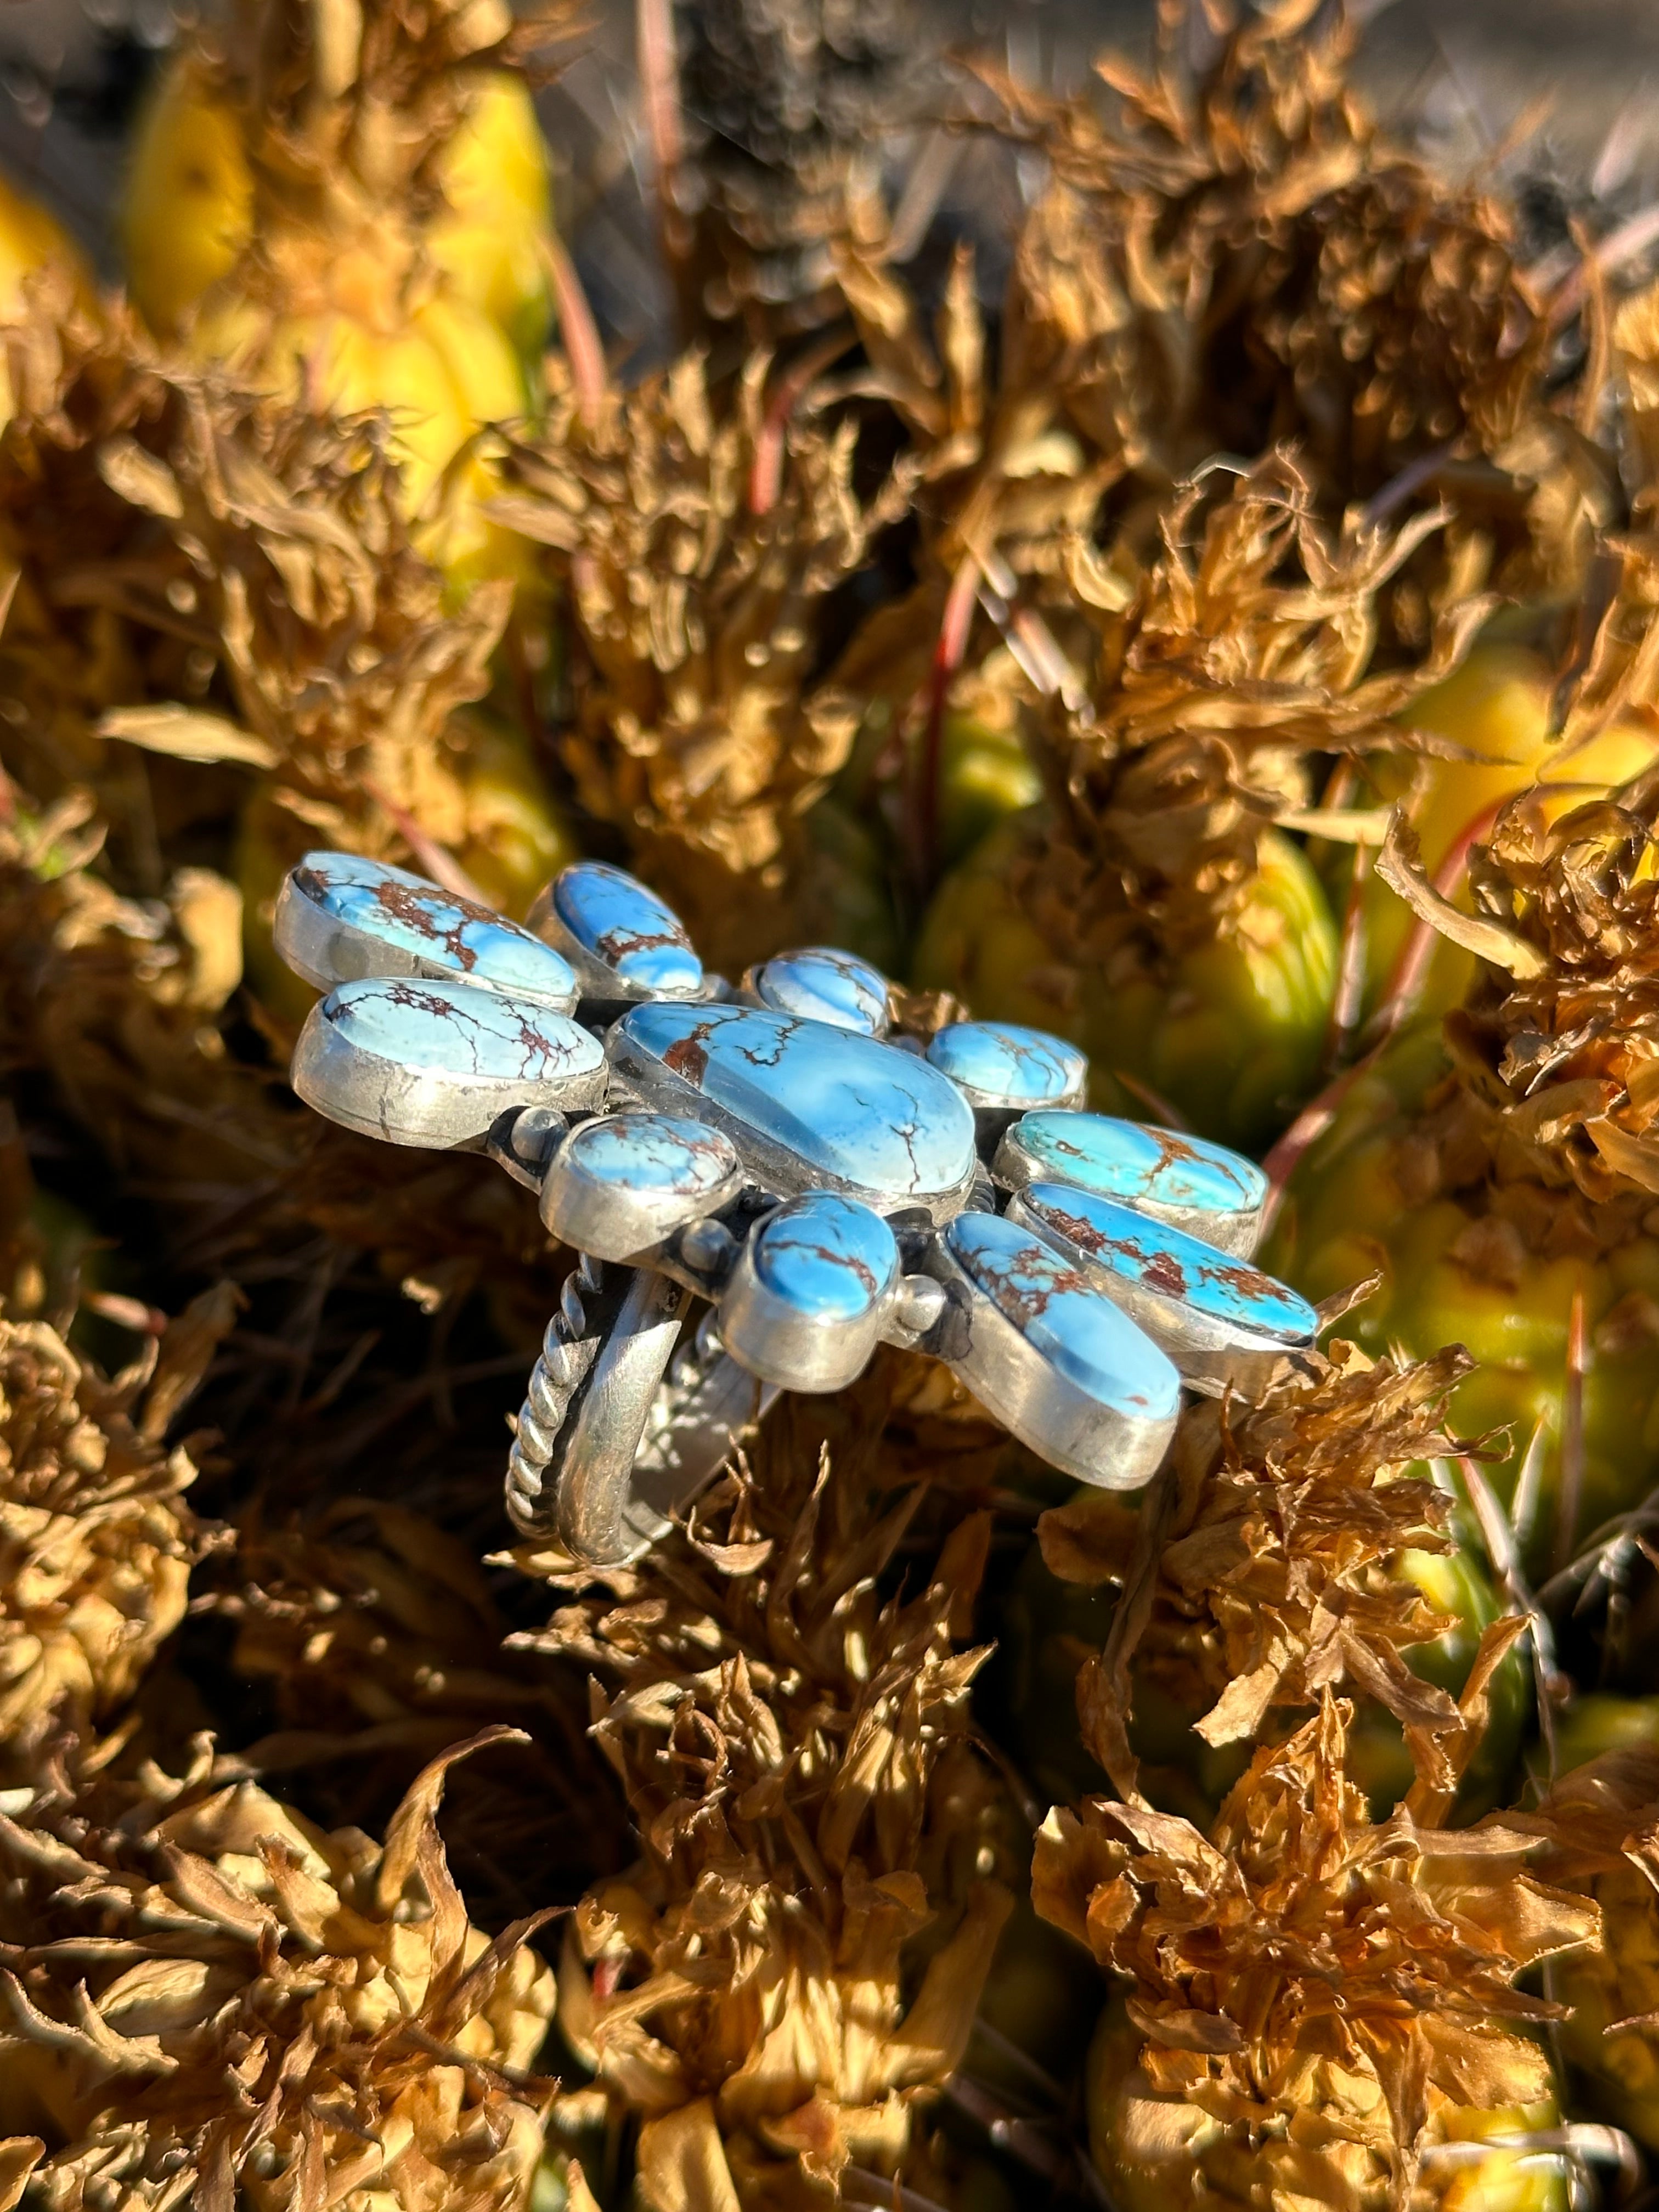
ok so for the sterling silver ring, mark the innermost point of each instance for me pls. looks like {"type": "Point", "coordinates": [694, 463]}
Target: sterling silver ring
{"type": "Point", "coordinates": [764, 1183]}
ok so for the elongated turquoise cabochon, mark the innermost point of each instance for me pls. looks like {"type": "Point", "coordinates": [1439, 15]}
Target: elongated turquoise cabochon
{"type": "Point", "coordinates": [1005, 1063]}
{"type": "Point", "coordinates": [1059, 1313]}
{"type": "Point", "coordinates": [639, 938]}
{"type": "Point", "coordinates": [1135, 1165]}
{"type": "Point", "coordinates": [455, 1029]}
{"type": "Point", "coordinates": [415, 920]}
{"type": "Point", "coordinates": [1169, 1264]}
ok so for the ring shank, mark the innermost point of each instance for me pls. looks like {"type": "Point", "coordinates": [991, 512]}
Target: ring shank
{"type": "Point", "coordinates": [618, 1435]}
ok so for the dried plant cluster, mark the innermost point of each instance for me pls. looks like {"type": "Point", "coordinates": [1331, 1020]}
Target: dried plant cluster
{"type": "Point", "coordinates": [1245, 259]}
{"type": "Point", "coordinates": [96, 1541]}
{"type": "Point", "coordinates": [356, 105]}
{"type": "Point", "coordinates": [1555, 1053]}
{"type": "Point", "coordinates": [1242, 653]}
{"type": "Point", "coordinates": [699, 540]}
{"type": "Point", "coordinates": [1604, 1824]}
{"type": "Point", "coordinates": [239, 564]}
{"type": "Point", "coordinates": [382, 1643]}
{"type": "Point", "coordinates": [798, 1952]}
{"type": "Point", "coordinates": [786, 111]}
{"type": "Point", "coordinates": [1152, 572]}
{"type": "Point", "coordinates": [1314, 2007]}
{"type": "Point", "coordinates": [1264, 1570]}
{"type": "Point", "coordinates": [209, 1997]}
{"type": "Point", "coordinates": [247, 656]}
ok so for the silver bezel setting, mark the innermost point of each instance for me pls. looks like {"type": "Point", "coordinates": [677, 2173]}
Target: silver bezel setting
{"type": "Point", "coordinates": [814, 1354]}
{"type": "Point", "coordinates": [326, 951]}
{"type": "Point", "coordinates": [1212, 1354]}
{"type": "Point", "coordinates": [428, 1110]}
{"type": "Point", "coordinates": [1043, 1407]}
{"type": "Point", "coordinates": [617, 1223]}
{"type": "Point", "coordinates": [1238, 1233]}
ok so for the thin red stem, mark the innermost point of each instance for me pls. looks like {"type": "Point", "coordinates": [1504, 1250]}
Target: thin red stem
{"type": "Point", "coordinates": [948, 655]}
{"type": "Point", "coordinates": [1155, 1103]}
{"type": "Point", "coordinates": [766, 474]}
{"type": "Point", "coordinates": [578, 329]}
{"type": "Point", "coordinates": [437, 860]}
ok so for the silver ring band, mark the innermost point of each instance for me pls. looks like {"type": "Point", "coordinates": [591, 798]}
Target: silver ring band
{"type": "Point", "coordinates": [626, 1419]}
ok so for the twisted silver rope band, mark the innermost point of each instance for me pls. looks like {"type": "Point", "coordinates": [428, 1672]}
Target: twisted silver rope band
{"type": "Point", "coordinates": [626, 1418]}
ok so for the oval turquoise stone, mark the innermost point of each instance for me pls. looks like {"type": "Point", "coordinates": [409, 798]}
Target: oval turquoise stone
{"type": "Point", "coordinates": [1135, 1165]}
{"type": "Point", "coordinates": [421, 922]}
{"type": "Point", "coordinates": [827, 1255]}
{"type": "Point", "coordinates": [1004, 1061]}
{"type": "Point", "coordinates": [1169, 1263]}
{"type": "Point", "coordinates": [640, 940]}
{"type": "Point", "coordinates": [651, 1155]}
{"type": "Point", "coordinates": [437, 1027]}
{"type": "Point", "coordinates": [822, 986]}
{"type": "Point", "coordinates": [1061, 1314]}
{"type": "Point", "coordinates": [877, 1119]}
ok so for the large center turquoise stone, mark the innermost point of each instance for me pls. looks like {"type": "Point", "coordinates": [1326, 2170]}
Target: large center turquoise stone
{"type": "Point", "coordinates": [876, 1120]}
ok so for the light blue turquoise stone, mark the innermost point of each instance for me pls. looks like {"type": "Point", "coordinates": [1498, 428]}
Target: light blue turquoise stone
{"type": "Point", "coordinates": [1061, 1314]}
{"type": "Point", "coordinates": [613, 917]}
{"type": "Point", "coordinates": [825, 986]}
{"type": "Point", "coordinates": [1003, 1060]}
{"type": "Point", "coordinates": [444, 1027]}
{"type": "Point", "coordinates": [1127, 1161]}
{"type": "Point", "coordinates": [651, 1155]}
{"type": "Point", "coordinates": [1171, 1264]}
{"type": "Point", "coordinates": [425, 922]}
{"type": "Point", "coordinates": [827, 1255]}
{"type": "Point", "coordinates": [851, 1107]}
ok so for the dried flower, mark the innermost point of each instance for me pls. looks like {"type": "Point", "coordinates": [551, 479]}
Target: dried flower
{"type": "Point", "coordinates": [1244, 650]}
{"type": "Point", "coordinates": [1555, 1052]}
{"type": "Point", "coordinates": [701, 538]}
{"type": "Point", "coordinates": [209, 1996]}
{"type": "Point", "coordinates": [244, 649]}
{"type": "Point", "coordinates": [782, 1726]}
{"type": "Point", "coordinates": [210, 581]}
{"type": "Point", "coordinates": [351, 108]}
{"type": "Point", "coordinates": [1240, 256]}
{"type": "Point", "coordinates": [790, 107]}
{"type": "Point", "coordinates": [1312, 2004]}
{"type": "Point", "coordinates": [1496, 1173]}
{"type": "Point", "coordinates": [96, 1543]}
{"type": "Point", "coordinates": [382, 1643]}
{"type": "Point", "coordinates": [368, 231]}
{"type": "Point", "coordinates": [1265, 1568]}
{"type": "Point", "coordinates": [1158, 911]}
{"type": "Point", "coordinates": [1603, 1824]}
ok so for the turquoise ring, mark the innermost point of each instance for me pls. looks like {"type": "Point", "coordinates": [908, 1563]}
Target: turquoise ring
{"type": "Point", "coordinates": [764, 1183]}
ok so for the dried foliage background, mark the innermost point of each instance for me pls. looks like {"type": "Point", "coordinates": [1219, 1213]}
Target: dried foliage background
{"type": "Point", "coordinates": [350, 1856]}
